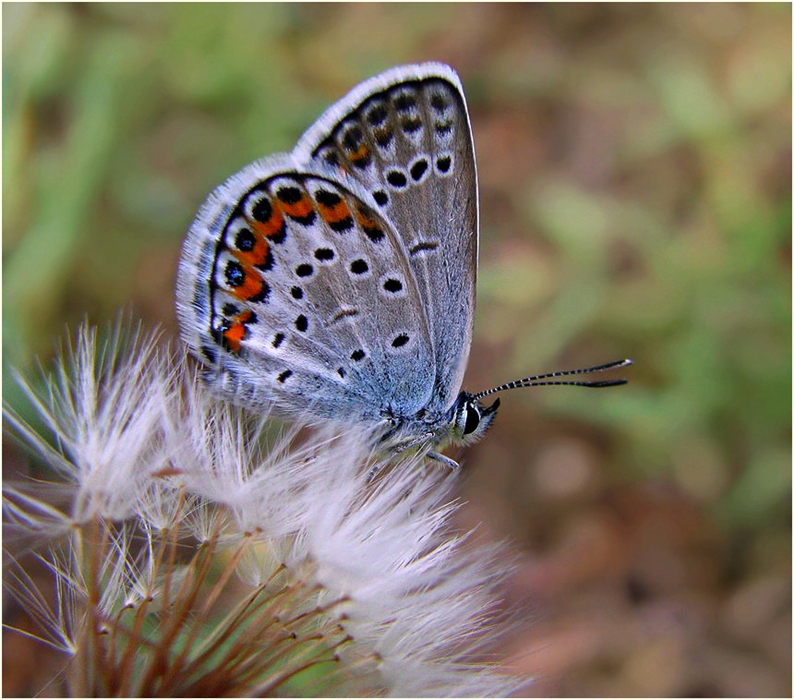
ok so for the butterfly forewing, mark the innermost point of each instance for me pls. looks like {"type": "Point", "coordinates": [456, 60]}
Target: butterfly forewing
{"type": "Point", "coordinates": [304, 297]}
{"type": "Point", "coordinates": [405, 137]}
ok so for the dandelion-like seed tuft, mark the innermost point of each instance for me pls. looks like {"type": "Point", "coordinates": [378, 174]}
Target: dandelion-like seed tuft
{"type": "Point", "coordinates": [208, 552]}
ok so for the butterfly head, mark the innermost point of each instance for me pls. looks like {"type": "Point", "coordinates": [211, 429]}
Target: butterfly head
{"type": "Point", "coordinates": [469, 418]}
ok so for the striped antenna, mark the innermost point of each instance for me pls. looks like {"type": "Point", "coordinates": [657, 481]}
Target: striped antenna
{"type": "Point", "coordinates": [538, 380]}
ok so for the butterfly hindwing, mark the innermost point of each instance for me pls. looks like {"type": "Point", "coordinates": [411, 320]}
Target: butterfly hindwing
{"type": "Point", "coordinates": [303, 297]}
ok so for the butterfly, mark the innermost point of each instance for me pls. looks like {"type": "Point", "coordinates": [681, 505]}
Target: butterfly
{"type": "Point", "coordinates": [338, 280]}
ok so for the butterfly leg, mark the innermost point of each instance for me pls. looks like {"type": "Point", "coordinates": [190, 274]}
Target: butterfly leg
{"type": "Point", "coordinates": [454, 467]}
{"type": "Point", "coordinates": [451, 463]}
{"type": "Point", "coordinates": [437, 456]}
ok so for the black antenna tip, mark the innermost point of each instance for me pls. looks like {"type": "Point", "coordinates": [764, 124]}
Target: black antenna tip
{"type": "Point", "coordinates": [553, 378]}
{"type": "Point", "coordinates": [606, 382]}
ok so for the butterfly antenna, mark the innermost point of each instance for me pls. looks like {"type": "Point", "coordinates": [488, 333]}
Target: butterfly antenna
{"type": "Point", "coordinates": [543, 379]}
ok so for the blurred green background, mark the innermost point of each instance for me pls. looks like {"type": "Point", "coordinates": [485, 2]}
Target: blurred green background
{"type": "Point", "coordinates": [635, 194]}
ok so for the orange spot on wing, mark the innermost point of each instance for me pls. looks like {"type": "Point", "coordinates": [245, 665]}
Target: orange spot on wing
{"type": "Point", "coordinates": [233, 336]}
{"type": "Point", "coordinates": [365, 220]}
{"type": "Point", "coordinates": [299, 210]}
{"type": "Point", "coordinates": [273, 226]}
{"type": "Point", "coordinates": [335, 213]}
{"type": "Point", "coordinates": [235, 333]}
{"type": "Point", "coordinates": [252, 286]}
{"type": "Point", "coordinates": [257, 255]}
{"type": "Point", "coordinates": [361, 153]}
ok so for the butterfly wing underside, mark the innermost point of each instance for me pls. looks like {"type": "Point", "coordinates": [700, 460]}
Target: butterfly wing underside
{"type": "Point", "coordinates": [338, 280]}
{"type": "Point", "coordinates": [405, 137]}
{"type": "Point", "coordinates": [297, 297]}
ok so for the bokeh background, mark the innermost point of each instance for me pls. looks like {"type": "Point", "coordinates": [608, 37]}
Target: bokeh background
{"type": "Point", "coordinates": [635, 175]}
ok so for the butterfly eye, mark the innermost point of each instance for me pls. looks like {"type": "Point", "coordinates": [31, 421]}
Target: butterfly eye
{"type": "Point", "coordinates": [472, 419]}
